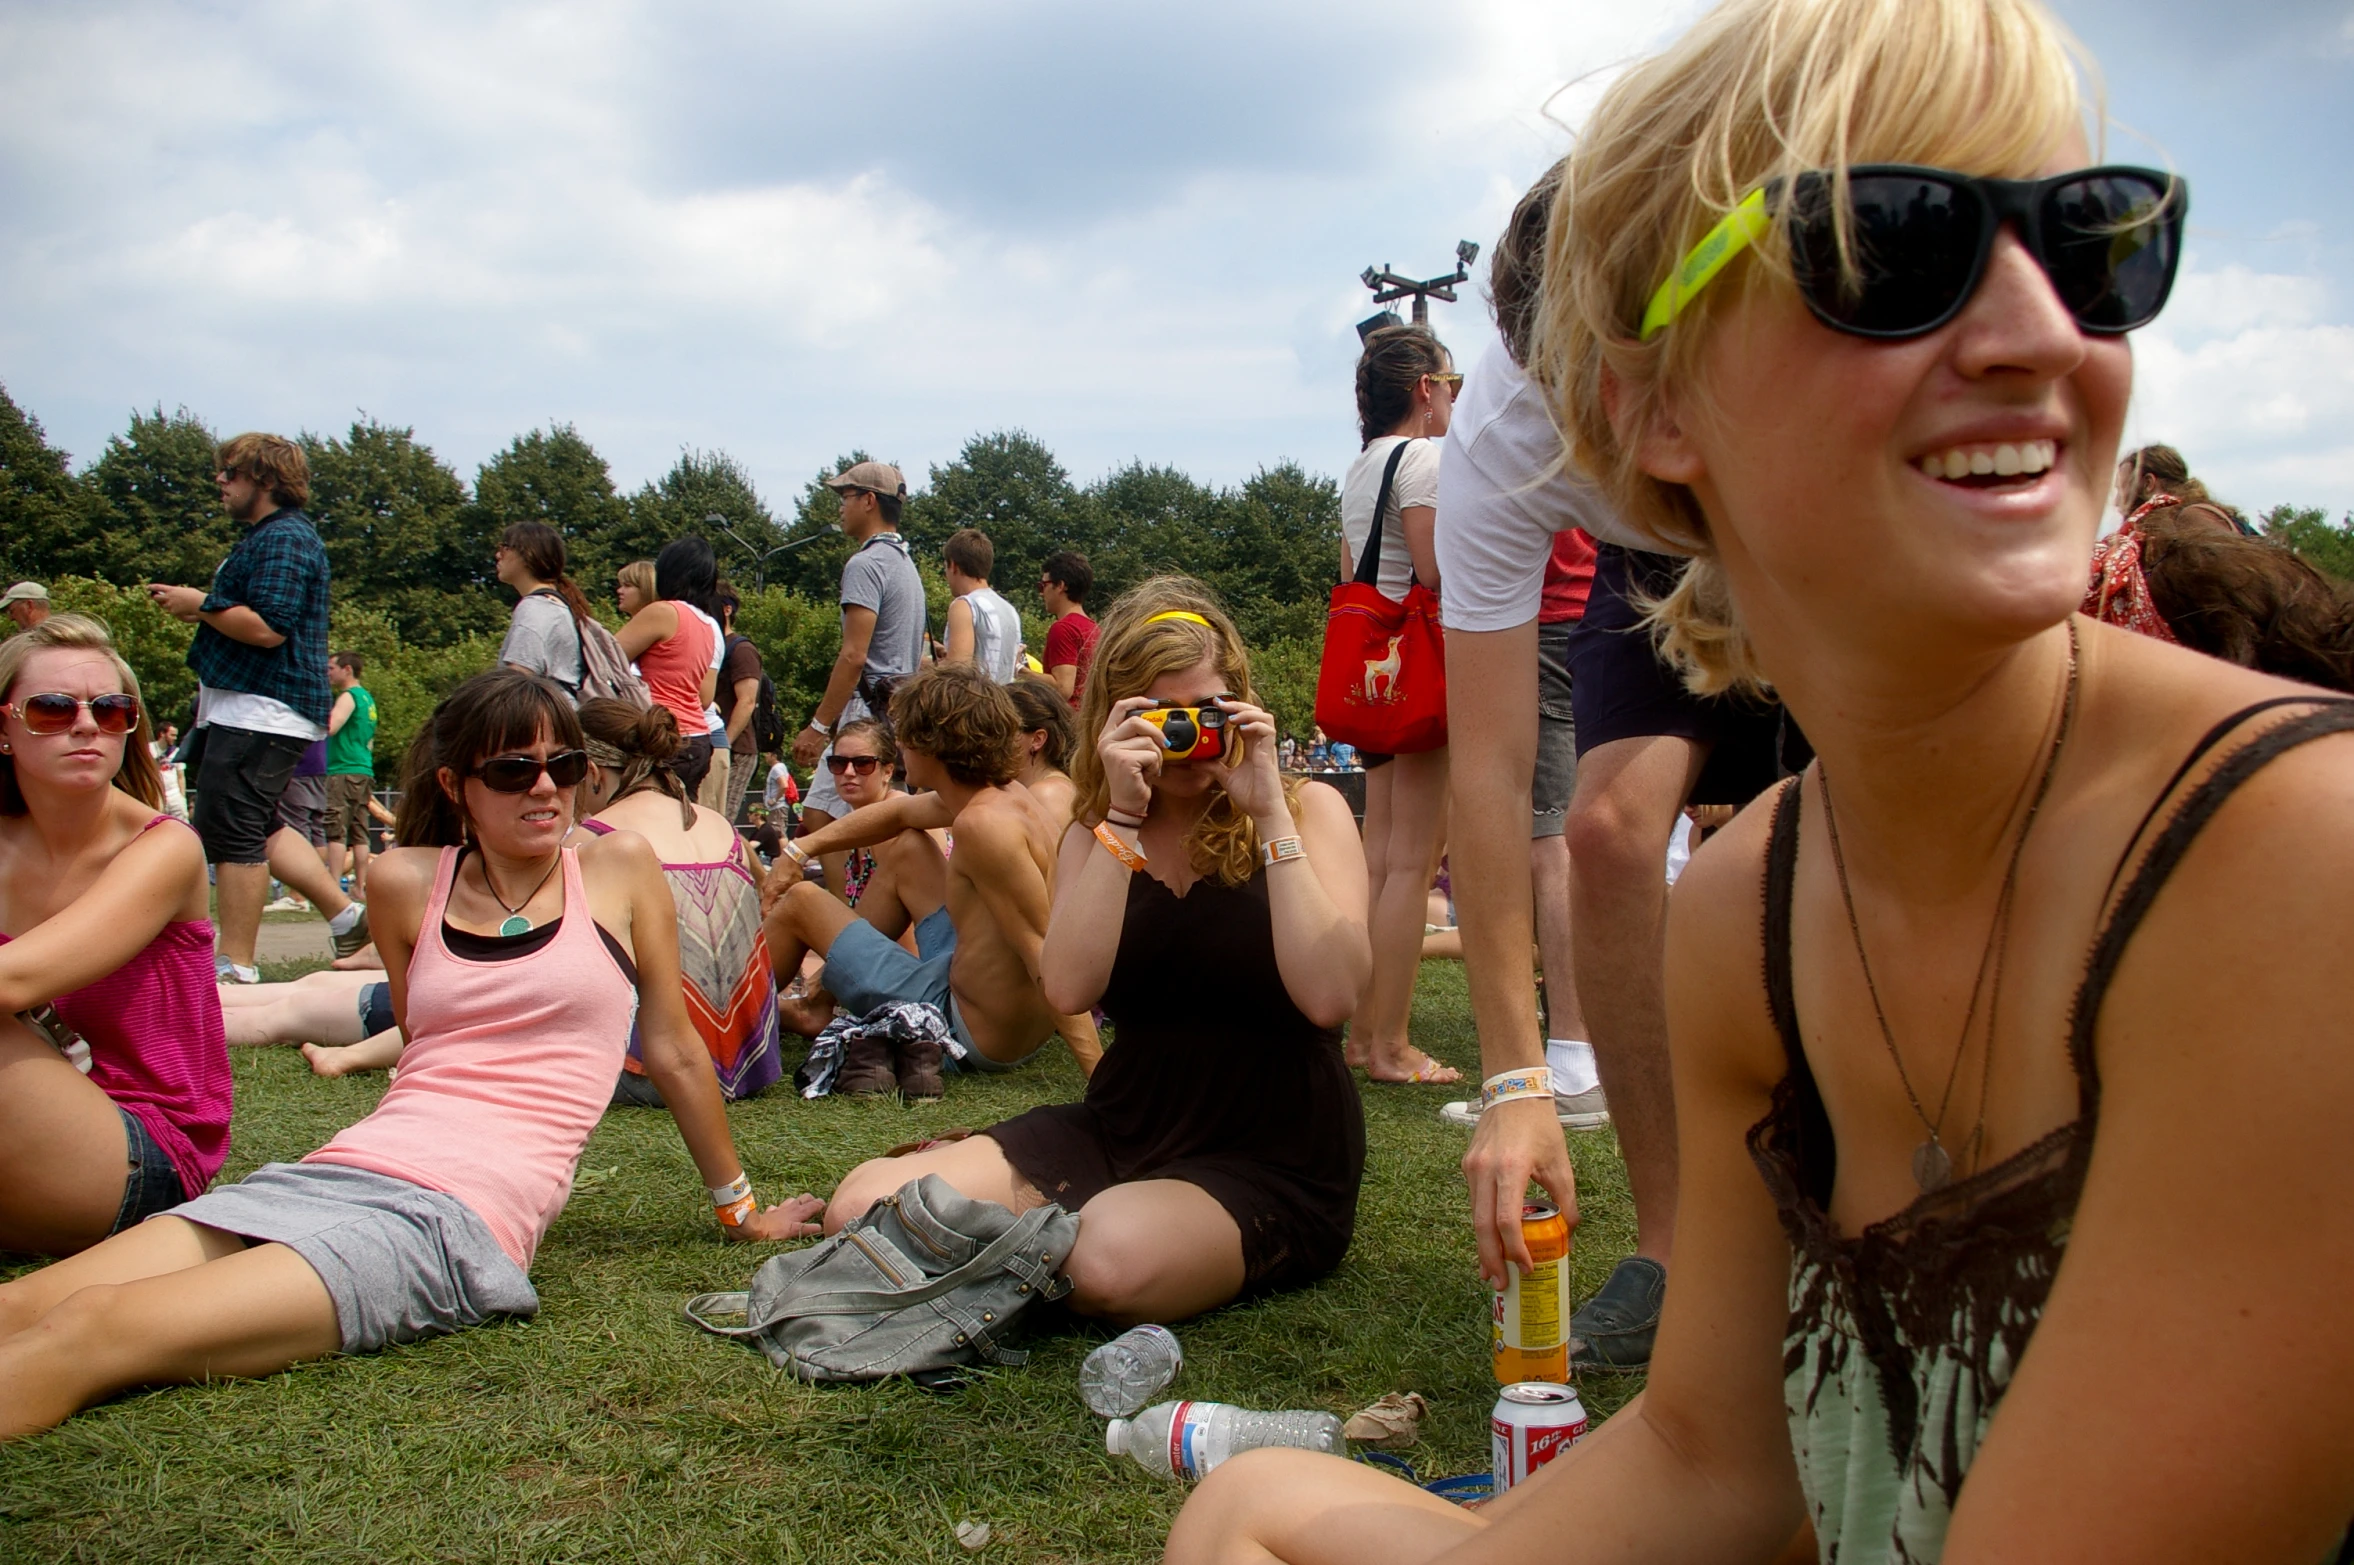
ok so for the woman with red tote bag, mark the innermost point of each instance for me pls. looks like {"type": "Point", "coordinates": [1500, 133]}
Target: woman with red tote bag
{"type": "Point", "coordinates": [1382, 686]}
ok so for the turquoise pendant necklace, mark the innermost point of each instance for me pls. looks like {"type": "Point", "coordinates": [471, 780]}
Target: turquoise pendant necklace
{"type": "Point", "coordinates": [515, 923]}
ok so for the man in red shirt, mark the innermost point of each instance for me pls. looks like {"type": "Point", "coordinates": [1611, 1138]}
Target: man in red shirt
{"type": "Point", "coordinates": [1063, 582]}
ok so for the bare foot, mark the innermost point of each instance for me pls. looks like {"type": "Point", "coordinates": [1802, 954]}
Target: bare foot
{"type": "Point", "coordinates": [364, 960]}
{"type": "Point", "coordinates": [326, 1060]}
{"type": "Point", "coordinates": [804, 1014]}
{"type": "Point", "coordinates": [1407, 1064]}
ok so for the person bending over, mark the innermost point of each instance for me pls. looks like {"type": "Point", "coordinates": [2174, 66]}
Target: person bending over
{"type": "Point", "coordinates": [103, 937]}
{"type": "Point", "coordinates": [513, 960]}
{"type": "Point", "coordinates": [1931, 1325]}
{"type": "Point", "coordinates": [980, 923]}
{"type": "Point", "coordinates": [715, 881]}
{"type": "Point", "coordinates": [1049, 734]}
{"type": "Point", "coordinates": [1217, 913]}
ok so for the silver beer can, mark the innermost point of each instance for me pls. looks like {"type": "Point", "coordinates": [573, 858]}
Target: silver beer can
{"type": "Point", "coordinates": [1533, 1423]}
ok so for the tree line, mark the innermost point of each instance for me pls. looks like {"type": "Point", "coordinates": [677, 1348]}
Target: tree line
{"type": "Point", "coordinates": [409, 543]}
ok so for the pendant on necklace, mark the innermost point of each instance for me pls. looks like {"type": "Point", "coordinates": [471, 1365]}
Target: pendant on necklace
{"type": "Point", "coordinates": [1932, 1167]}
{"type": "Point", "coordinates": [517, 924]}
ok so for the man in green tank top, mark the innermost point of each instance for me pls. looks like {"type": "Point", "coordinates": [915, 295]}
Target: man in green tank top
{"type": "Point", "coordinates": [351, 768]}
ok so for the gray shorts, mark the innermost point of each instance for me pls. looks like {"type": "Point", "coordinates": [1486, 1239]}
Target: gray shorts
{"type": "Point", "coordinates": [400, 1261]}
{"type": "Point", "coordinates": [302, 809]}
{"type": "Point", "coordinates": [1557, 748]}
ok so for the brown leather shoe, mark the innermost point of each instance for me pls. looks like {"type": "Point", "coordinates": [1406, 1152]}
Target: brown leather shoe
{"type": "Point", "coordinates": [919, 1072]}
{"type": "Point", "coordinates": [866, 1068]}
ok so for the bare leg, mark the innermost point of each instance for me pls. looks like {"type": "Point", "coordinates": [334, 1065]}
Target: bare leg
{"type": "Point", "coordinates": [64, 1154]}
{"type": "Point", "coordinates": [378, 1053]}
{"type": "Point", "coordinates": [1628, 794]}
{"type": "Point", "coordinates": [1402, 840]}
{"type": "Point", "coordinates": [359, 872]}
{"type": "Point", "coordinates": [1548, 862]}
{"type": "Point", "coordinates": [320, 1007]}
{"type": "Point", "coordinates": [1154, 1250]}
{"type": "Point", "coordinates": [241, 890]}
{"type": "Point", "coordinates": [975, 1168]}
{"type": "Point", "coordinates": [294, 861]}
{"type": "Point", "coordinates": [170, 1301]}
{"type": "Point", "coordinates": [806, 918]}
{"type": "Point", "coordinates": [1304, 1508]}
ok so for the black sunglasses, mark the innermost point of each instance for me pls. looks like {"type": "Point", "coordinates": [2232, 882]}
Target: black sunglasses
{"type": "Point", "coordinates": [520, 773]}
{"type": "Point", "coordinates": [861, 764]}
{"type": "Point", "coordinates": [2108, 238]}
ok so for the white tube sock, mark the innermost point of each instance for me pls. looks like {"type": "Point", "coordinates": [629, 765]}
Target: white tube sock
{"type": "Point", "coordinates": [1574, 1071]}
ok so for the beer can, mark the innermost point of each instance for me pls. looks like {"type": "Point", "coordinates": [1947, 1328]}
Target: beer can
{"type": "Point", "coordinates": [1529, 1332]}
{"type": "Point", "coordinates": [1533, 1423]}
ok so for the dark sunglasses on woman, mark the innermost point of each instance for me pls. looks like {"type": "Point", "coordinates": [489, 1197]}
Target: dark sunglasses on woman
{"type": "Point", "coordinates": [863, 765]}
{"type": "Point", "coordinates": [520, 773]}
{"type": "Point", "coordinates": [53, 712]}
{"type": "Point", "coordinates": [2109, 239]}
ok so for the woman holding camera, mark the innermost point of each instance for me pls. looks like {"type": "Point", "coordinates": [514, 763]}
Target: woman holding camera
{"type": "Point", "coordinates": [1213, 909]}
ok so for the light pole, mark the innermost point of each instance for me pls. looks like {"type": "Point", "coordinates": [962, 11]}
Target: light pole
{"type": "Point", "coordinates": [760, 558]}
{"type": "Point", "coordinates": [1388, 287]}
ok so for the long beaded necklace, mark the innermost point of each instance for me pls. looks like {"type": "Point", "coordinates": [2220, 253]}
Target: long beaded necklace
{"type": "Point", "coordinates": [1933, 1163]}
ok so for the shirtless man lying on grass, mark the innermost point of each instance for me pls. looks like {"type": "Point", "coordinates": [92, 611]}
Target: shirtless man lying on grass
{"type": "Point", "coordinates": [980, 917]}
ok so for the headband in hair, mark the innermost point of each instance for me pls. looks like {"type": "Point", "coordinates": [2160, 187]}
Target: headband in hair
{"type": "Point", "coordinates": [1181, 614]}
{"type": "Point", "coordinates": [603, 754]}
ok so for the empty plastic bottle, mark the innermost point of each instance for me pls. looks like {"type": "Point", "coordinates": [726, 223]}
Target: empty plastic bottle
{"type": "Point", "coordinates": [1127, 1372]}
{"type": "Point", "coordinates": [1187, 1439]}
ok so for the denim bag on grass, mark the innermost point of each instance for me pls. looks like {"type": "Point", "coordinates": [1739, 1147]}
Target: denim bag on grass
{"type": "Point", "coordinates": [926, 1282]}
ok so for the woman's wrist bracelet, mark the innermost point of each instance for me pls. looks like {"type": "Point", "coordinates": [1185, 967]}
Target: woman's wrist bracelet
{"type": "Point", "coordinates": [1129, 858]}
{"type": "Point", "coordinates": [1113, 817]}
{"type": "Point", "coordinates": [1282, 849]}
{"type": "Point", "coordinates": [732, 1202]}
{"type": "Point", "coordinates": [794, 852]}
{"type": "Point", "coordinates": [1529, 1081]}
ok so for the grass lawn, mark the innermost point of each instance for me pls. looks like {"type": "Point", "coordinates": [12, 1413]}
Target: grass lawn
{"type": "Point", "coordinates": [610, 1428]}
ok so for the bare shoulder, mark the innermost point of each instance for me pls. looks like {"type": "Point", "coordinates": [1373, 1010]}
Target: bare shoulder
{"type": "Point", "coordinates": [998, 820]}
{"type": "Point", "coordinates": [405, 872]}
{"type": "Point", "coordinates": [1325, 805]}
{"type": "Point", "coordinates": [620, 852]}
{"type": "Point", "coordinates": [1718, 1011]}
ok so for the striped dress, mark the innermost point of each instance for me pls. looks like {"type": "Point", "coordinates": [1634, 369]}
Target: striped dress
{"type": "Point", "coordinates": [724, 964]}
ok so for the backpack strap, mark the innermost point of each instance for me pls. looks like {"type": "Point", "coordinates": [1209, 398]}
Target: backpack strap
{"type": "Point", "coordinates": [1369, 562]}
{"type": "Point", "coordinates": [579, 641]}
{"type": "Point", "coordinates": [1007, 1252]}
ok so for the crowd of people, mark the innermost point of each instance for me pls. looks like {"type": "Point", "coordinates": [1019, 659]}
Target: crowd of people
{"type": "Point", "coordinates": [1786, 463]}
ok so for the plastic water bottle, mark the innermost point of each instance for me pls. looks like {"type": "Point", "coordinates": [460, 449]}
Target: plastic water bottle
{"type": "Point", "coordinates": [1127, 1372]}
{"type": "Point", "coordinates": [1188, 1439]}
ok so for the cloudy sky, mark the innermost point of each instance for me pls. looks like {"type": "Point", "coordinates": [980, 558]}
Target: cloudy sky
{"type": "Point", "coordinates": [785, 229]}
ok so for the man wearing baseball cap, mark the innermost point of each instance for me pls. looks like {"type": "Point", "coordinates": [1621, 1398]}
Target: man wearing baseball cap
{"type": "Point", "coordinates": [882, 623]}
{"type": "Point", "coordinates": [27, 603]}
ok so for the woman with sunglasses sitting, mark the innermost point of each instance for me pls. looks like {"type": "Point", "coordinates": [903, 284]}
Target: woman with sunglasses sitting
{"type": "Point", "coordinates": [114, 1074]}
{"type": "Point", "coordinates": [516, 955]}
{"type": "Point", "coordinates": [1982, 1146]}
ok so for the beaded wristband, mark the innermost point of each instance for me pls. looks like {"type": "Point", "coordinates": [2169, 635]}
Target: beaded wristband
{"type": "Point", "coordinates": [1127, 856]}
{"type": "Point", "coordinates": [1530, 1081]}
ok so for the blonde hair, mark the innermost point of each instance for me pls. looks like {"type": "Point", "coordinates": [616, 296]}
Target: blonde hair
{"type": "Point", "coordinates": [1759, 89]}
{"type": "Point", "coordinates": [1133, 650]}
{"type": "Point", "coordinates": [138, 775]}
{"type": "Point", "coordinates": [638, 574]}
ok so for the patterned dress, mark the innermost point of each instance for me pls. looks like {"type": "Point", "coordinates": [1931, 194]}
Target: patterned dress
{"type": "Point", "coordinates": [723, 960]}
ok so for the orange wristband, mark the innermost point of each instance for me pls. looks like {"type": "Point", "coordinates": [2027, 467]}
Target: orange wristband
{"type": "Point", "coordinates": [1127, 856]}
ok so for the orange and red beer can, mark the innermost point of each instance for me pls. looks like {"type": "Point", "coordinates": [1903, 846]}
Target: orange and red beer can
{"type": "Point", "coordinates": [1531, 1328]}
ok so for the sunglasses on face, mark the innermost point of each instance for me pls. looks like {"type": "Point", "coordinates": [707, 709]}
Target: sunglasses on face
{"type": "Point", "coordinates": [2109, 239]}
{"type": "Point", "coordinates": [1447, 378]}
{"type": "Point", "coordinates": [55, 711]}
{"type": "Point", "coordinates": [520, 773]}
{"type": "Point", "coordinates": [863, 765]}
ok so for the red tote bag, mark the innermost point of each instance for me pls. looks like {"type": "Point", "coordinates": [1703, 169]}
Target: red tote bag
{"type": "Point", "coordinates": [1383, 683]}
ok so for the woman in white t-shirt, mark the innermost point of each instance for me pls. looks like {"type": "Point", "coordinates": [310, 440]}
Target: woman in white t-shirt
{"type": "Point", "coordinates": [1405, 392]}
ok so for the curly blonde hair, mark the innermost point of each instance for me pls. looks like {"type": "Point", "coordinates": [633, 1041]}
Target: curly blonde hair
{"type": "Point", "coordinates": [1759, 89]}
{"type": "Point", "coordinates": [1132, 651]}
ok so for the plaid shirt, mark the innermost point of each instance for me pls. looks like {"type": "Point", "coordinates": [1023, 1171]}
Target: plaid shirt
{"type": "Point", "coordinates": [278, 570]}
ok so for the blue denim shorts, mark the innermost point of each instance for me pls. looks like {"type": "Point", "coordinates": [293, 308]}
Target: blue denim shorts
{"type": "Point", "coordinates": [152, 1183]}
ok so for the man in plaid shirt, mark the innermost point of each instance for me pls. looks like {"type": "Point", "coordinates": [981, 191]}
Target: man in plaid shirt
{"type": "Point", "coordinates": [260, 657]}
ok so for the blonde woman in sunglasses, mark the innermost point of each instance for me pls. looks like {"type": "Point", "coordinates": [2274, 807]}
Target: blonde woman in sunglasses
{"type": "Point", "coordinates": [2013, 1218]}
{"type": "Point", "coordinates": [114, 1072]}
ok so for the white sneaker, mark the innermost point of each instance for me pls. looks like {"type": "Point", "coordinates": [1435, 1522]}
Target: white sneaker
{"type": "Point", "coordinates": [1587, 1110]}
{"type": "Point", "coordinates": [287, 905]}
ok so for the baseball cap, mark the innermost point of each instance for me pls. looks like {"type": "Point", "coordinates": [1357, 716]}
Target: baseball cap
{"type": "Point", "coordinates": [34, 592]}
{"type": "Point", "coordinates": [880, 477]}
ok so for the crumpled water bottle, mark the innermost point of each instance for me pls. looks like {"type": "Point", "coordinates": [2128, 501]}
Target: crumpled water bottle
{"type": "Point", "coordinates": [1125, 1374]}
{"type": "Point", "coordinates": [1188, 1439]}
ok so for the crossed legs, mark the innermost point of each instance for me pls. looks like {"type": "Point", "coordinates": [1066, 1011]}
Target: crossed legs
{"type": "Point", "coordinates": [910, 883]}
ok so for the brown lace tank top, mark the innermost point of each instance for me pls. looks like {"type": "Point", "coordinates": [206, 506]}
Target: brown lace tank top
{"type": "Point", "coordinates": [1902, 1339]}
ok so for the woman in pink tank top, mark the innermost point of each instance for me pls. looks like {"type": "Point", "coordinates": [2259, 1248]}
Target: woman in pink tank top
{"type": "Point", "coordinates": [517, 950]}
{"type": "Point", "coordinates": [114, 1073]}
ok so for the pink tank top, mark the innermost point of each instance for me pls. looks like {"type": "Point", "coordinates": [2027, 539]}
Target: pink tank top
{"type": "Point", "coordinates": [509, 1067]}
{"type": "Point", "coordinates": [674, 671]}
{"type": "Point", "coordinates": [157, 1046]}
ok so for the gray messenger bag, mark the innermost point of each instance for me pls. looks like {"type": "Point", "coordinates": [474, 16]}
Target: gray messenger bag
{"type": "Point", "coordinates": [926, 1283]}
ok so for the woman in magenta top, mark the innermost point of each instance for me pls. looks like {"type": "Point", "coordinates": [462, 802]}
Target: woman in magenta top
{"type": "Point", "coordinates": [114, 1073]}
{"type": "Point", "coordinates": [514, 961]}
{"type": "Point", "coordinates": [674, 641]}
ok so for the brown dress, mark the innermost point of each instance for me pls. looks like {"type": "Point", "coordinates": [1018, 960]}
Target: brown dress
{"type": "Point", "coordinates": [1215, 1078]}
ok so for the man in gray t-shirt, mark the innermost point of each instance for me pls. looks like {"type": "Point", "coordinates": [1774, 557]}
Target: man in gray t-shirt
{"type": "Point", "coordinates": [882, 623]}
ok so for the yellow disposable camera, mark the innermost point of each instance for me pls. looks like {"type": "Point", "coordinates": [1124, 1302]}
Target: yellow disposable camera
{"type": "Point", "coordinates": [1192, 733]}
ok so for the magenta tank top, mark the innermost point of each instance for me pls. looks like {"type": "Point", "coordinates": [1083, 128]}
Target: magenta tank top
{"type": "Point", "coordinates": [509, 1067]}
{"type": "Point", "coordinates": [157, 1046]}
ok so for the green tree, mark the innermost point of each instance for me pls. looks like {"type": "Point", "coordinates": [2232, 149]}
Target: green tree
{"type": "Point", "coordinates": [812, 566]}
{"type": "Point", "coordinates": [48, 522]}
{"type": "Point", "coordinates": [1284, 673]}
{"type": "Point", "coordinates": [1009, 486]}
{"type": "Point", "coordinates": [556, 477]}
{"type": "Point", "coordinates": [2325, 545]}
{"type": "Point", "coordinates": [151, 641]}
{"type": "Point", "coordinates": [699, 485]}
{"type": "Point", "coordinates": [160, 513]}
{"type": "Point", "coordinates": [797, 638]}
{"type": "Point", "coordinates": [401, 535]}
{"type": "Point", "coordinates": [1276, 553]}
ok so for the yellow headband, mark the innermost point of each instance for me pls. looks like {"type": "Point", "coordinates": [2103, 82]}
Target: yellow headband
{"type": "Point", "coordinates": [1181, 614]}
